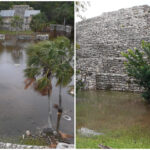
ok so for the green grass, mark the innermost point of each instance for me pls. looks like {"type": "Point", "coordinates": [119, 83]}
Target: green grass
{"type": "Point", "coordinates": [13, 32]}
{"type": "Point", "coordinates": [33, 141]}
{"type": "Point", "coordinates": [134, 137]}
{"type": "Point", "coordinates": [122, 117]}
{"type": "Point", "coordinates": [27, 141]}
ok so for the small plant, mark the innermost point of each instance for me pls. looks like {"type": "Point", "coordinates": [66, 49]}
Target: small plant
{"type": "Point", "coordinates": [79, 85]}
{"type": "Point", "coordinates": [138, 67]}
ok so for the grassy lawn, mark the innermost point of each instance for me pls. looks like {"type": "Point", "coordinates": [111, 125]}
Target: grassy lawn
{"type": "Point", "coordinates": [13, 32]}
{"type": "Point", "coordinates": [134, 137]}
{"type": "Point", "coordinates": [123, 118]}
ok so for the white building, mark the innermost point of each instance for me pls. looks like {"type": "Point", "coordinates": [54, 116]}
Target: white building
{"type": "Point", "coordinates": [24, 11]}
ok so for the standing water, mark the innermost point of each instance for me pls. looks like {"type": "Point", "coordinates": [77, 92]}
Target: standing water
{"type": "Point", "coordinates": [25, 109]}
{"type": "Point", "coordinates": [106, 111]}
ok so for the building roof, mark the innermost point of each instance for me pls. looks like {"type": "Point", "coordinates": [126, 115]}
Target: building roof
{"type": "Point", "coordinates": [29, 13]}
{"type": "Point", "coordinates": [7, 13]}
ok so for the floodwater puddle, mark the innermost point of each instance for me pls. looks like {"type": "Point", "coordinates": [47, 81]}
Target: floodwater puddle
{"type": "Point", "coordinates": [105, 111]}
{"type": "Point", "coordinates": [24, 109]}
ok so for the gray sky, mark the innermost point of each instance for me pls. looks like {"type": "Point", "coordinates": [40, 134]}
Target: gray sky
{"type": "Point", "coordinates": [99, 6]}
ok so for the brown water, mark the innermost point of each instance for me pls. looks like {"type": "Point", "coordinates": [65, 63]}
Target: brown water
{"type": "Point", "coordinates": [106, 111]}
{"type": "Point", "coordinates": [21, 109]}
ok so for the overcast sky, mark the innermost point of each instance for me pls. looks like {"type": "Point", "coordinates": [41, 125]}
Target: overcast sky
{"type": "Point", "coordinates": [97, 7]}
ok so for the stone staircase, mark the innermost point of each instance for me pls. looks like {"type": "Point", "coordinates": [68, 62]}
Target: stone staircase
{"type": "Point", "coordinates": [103, 38]}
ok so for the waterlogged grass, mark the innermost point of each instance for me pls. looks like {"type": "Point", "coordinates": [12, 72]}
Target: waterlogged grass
{"type": "Point", "coordinates": [33, 141]}
{"type": "Point", "coordinates": [13, 32]}
{"type": "Point", "coordinates": [132, 138]}
{"type": "Point", "coordinates": [37, 141]}
{"type": "Point", "coordinates": [122, 117]}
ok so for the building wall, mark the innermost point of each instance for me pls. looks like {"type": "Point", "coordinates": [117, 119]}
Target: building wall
{"type": "Point", "coordinates": [19, 11]}
{"type": "Point", "coordinates": [102, 39]}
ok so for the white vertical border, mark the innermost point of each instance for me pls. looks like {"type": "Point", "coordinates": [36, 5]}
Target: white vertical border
{"type": "Point", "coordinates": [75, 74]}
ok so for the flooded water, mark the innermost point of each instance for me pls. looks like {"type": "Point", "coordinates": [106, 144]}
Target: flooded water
{"type": "Point", "coordinates": [21, 109]}
{"type": "Point", "coordinates": [106, 111]}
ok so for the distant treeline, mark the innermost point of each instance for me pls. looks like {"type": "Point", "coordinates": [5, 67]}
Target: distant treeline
{"type": "Point", "coordinates": [56, 12]}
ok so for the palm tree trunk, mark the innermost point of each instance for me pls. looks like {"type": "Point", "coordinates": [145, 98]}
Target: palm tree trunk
{"type": "Point", "coordinates": [60, 101]}
{"type": "Point", "coordinates": [50, 124]}
{"type": "Point", "coordinates": [64, 21]}
{"type": "Point", "coordinates": [59, 113]}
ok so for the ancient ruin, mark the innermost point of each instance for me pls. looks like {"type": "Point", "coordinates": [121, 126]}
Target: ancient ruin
{"type": "Point", "coordinates": [102, 39]}
{"type": "Point", "coordinates": [24, 11]}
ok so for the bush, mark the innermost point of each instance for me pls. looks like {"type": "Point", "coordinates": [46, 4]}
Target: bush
{"type": "Point", "coordinates": [138, 67]}
{"type": "Point", "coordinates": [38, 22]}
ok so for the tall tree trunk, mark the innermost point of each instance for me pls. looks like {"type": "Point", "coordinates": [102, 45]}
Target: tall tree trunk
{"type": "Point", "coordinates": [64, 21]}
{"type": "Point", "coordinates": [60, 101]}
{"type": "Point", "coordinates": [50, 124]}
{"type": "Point", "coordinates": [59, 113]}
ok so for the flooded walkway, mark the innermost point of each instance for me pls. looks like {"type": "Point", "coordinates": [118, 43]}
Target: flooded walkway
{"type": "Point", "coordinates": [21, 109]}
{"type": "Point", "coordinates": [122, 117]}
{"type": "Point", "coordinates": [106, 111]}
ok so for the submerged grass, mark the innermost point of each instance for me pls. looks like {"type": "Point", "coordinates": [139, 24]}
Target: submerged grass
{"type": "Point", "coordinates": [26, 141]}
{"type": "Point", "coordinates": [33, 141]}
{"type": "Point", "coordinates": [134, 137]}
{"type": "Point", "coordinates": [122, 117]}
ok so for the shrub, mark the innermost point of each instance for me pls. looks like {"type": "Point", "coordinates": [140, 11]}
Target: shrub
{"type": "Point", "coordinates": [138, 67]}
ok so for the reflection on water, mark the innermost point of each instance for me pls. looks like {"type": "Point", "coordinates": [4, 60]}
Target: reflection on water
{"type": "Point", "coordinates": [104, 111]}
{"type": "Point", "coordinates": [22, 109]}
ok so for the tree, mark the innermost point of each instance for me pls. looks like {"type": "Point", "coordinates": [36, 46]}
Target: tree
{"type": "Point", "coordinates": [38, 22]}
{"type": "Point", "coordinates": [65, 13]}
{"type": "Point", "coordinates": [48, 59]}
{"type": "Point", "coordinates": [1, 21]}
{"type": "Point", "coordinates": [54, 11]}
{"type": "Point", "coordinates": [81, 6]}
{"type": "Point", "coordinates": [64, 70]}
{"type": "Point", "coordinates": [138, 67]}
{"type": "Point", "coordinates": [17, 22]}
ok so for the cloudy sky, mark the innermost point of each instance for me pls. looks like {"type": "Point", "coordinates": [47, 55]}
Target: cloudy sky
{"type": "Point", "coordinates": [97, 7]}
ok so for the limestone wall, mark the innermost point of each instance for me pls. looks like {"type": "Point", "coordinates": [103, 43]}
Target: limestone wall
{"type": "Point", "coordinates": [101, 41]}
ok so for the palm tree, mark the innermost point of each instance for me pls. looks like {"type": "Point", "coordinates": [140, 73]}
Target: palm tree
{"type": "Point", "coordinates": [40, 67]}
{"type": "Point", "coordinates": [64, 70]}
{"type": "Point", "coordinates": [64, 76]}
{"type": "Point", "coordinates": [45, 62]}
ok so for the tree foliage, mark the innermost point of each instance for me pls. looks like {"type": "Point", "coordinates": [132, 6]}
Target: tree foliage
{"type": "Point", "coordinates": [138, 67]}
{"type": "Point", "coordinates": [38, 22]}
{"type": "Point", "coordinates": [1, 21]}
{"type": "Point", "coordinates": [48, 59]}
{"type": "Point", "coordinates": [17, 22]}
{"type": "Point", "coordinates": [81, 6]}
{"type": "Point", "coordinates": [54, 11]}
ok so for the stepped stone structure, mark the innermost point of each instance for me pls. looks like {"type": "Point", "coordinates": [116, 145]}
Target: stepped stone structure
{"type": "Point", "coordinates": [102, 39]}
{"type": "Point", "coordinates": [24, 11]}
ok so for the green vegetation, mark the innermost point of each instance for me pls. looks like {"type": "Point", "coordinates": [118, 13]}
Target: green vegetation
{"type": "Point", "coordinates": [38, 22]}
{"type": "Point", "coordinates": [46, 60]}
{"type": "Point", "coordinates": [123, 117]}
{"type": "Point", "coordinates": [17, 22]}
{"type": "Point", "coordinates": [58, 12]}
{"type": "Point", "coordinates": [14, 32]}
{"type": "Point", "coordinates": [138, 67]}
{"type": "Point", "coordinates": [33, 141]}
{"type": "Point", "coordinates": [1, 21]}
{"type": "Point", "coordinates": [134, 137]}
